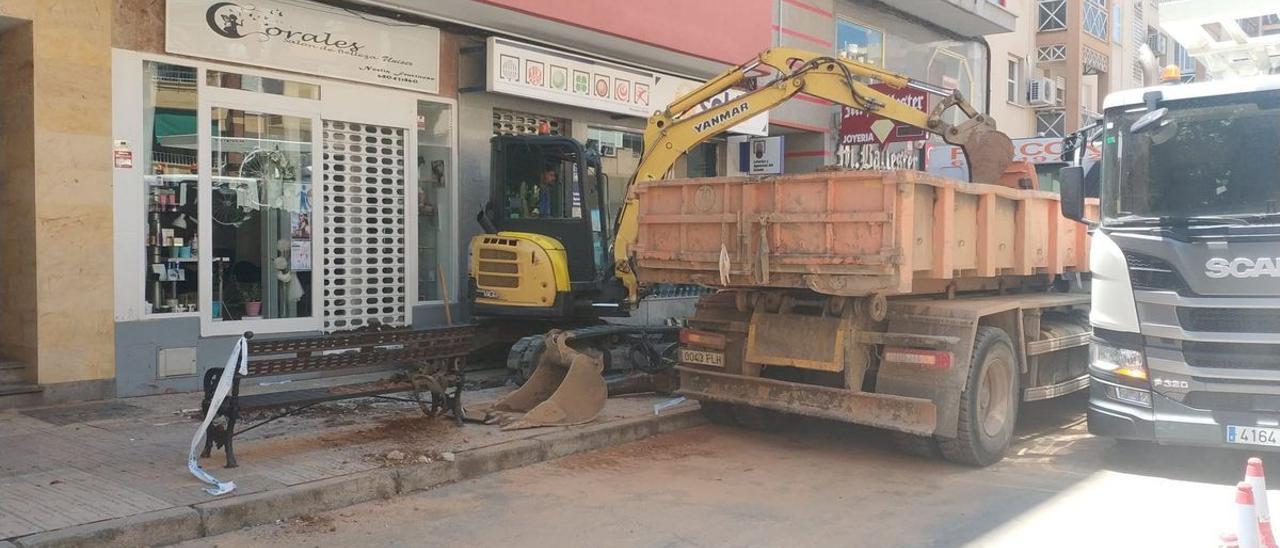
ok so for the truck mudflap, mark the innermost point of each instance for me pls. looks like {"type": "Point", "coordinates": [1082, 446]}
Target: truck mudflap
{"type": "Point", "coordinates": [904, 414]}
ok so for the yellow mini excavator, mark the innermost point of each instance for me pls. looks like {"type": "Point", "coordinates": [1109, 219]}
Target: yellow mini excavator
{"type": "Point", "coordinates": [550, 251]}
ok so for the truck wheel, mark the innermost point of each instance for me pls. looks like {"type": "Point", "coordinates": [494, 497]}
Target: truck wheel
{"type": "Point", "coordinates": [920, 446]}
{"type": "Point", "coordinates": [989, 404]}
{"type": "Point", "coordinates": [718, 413]}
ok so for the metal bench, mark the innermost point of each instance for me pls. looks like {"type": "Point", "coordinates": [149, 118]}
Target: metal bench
{"type": "Point", "coordinates": [428, 363]}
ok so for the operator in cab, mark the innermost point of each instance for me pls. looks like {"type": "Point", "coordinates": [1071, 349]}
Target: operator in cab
{"type": "Point", "coordinates": [537, 199]}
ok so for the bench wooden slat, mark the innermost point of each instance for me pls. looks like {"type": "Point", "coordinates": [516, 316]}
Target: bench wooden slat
{"type": "Point", "coordinates": [286, 356]}
{"type": "Point", "coordinates": [357, 340]}
{"type": "Point", "coordinates": [317, 395]}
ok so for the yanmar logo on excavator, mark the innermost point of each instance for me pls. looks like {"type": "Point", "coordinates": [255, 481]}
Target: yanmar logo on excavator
{"type": "Point", "coordinates": [720, 118]}
{"type": "Point", "coordinates": [1242, 267]}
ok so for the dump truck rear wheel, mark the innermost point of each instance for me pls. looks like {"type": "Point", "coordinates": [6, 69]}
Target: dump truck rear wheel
{"type": "Point", "coordinates": [718, 413]}
{"type": "Point", "coordinates": [989, 404]}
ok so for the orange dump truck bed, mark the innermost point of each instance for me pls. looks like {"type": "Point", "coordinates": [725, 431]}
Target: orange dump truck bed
{"type": "Point", "coordinates": [851, 232]}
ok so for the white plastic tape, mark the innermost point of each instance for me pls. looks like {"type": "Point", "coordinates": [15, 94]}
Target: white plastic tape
{"type": "Point", "coordinates": [239, 354]}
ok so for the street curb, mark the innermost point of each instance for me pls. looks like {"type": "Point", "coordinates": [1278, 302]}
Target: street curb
{"type": "Point", "coordinates": [168, 526]}
{"type": "Point", "coordinates": [221, 516]}
{"type": "Point", "coordinates": [598, 436]}
{"type": "Point", "coordinates": [215, 517]}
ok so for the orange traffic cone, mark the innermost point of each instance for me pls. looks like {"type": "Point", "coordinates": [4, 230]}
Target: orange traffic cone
{"type": "Point", "coordinates": [1246, 516]}
{"type": "Point", "coordinates": [1257, 479]}
{"type": "Point", "coordinates": [1228, 540]}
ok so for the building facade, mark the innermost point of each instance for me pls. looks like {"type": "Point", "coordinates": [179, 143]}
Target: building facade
{"type": "Point", "coordinates": [1064, 57]}
{"type": "Point", "coordinates": [179, 172]}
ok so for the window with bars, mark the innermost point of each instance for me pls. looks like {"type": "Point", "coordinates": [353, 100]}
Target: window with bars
{"type": "Point", "coordinates": [510, 122]}
{"type": "Point", "coordinates": [1094, 20]}
{"type": "Point", "coordinates": [1051, 123]}
{"type": "Point", "coordinates": [1052, 15]}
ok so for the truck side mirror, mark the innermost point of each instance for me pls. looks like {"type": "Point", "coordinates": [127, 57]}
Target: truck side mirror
{"type": "Point", "coordinates": [1071, 188]}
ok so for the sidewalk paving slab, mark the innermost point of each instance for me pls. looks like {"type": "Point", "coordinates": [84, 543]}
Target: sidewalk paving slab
{"type": "Point", "coordinates": [115, 475]}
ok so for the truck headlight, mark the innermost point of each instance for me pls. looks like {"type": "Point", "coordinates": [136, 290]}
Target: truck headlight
{"type": "Point", "coordinates": [1115, 362]}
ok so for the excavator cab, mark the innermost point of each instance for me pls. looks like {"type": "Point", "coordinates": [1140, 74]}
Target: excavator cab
{"type": "Point", "coordinates": [544, 253]}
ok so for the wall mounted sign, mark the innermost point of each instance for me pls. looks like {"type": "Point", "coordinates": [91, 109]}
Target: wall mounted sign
{"type": "Point", "coordinates": [761, 156]}
{"type": "Point", "coordinates": [306, 38]}
{"type": "Point", "coordinates": [548, 75]}
{"type": "Point", "coordinates": [859, 127]}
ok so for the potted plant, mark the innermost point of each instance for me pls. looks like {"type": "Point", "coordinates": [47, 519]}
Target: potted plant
{"type": "Point", "coordinates": [252, 295]}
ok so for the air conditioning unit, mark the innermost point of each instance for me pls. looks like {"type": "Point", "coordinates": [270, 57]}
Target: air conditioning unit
{"type": "Point", "coordinates": [1042, 92]}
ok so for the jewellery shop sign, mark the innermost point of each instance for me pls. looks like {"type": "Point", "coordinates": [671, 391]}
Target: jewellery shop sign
{"type": "Point", "coordinates": [309, 39]}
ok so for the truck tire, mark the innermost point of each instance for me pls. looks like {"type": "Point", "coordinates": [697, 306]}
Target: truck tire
{"type": "Point", "coordinates": [718, 413]}
{"type": "Point", "coordinates": [989, 403]}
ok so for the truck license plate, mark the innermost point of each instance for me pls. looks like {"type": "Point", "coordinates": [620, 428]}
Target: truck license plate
{"type": "Point", "coordinates": [1252, 435]}
{"type": "Point", "coordinates": [702, 357]}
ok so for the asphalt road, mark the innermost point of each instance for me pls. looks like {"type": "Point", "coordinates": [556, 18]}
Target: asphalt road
{"type": "Point", "coordinates": [812, 484]}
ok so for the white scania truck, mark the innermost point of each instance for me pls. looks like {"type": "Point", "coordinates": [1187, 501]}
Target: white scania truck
{"type": "Point", "coordinates": [1185, 265]}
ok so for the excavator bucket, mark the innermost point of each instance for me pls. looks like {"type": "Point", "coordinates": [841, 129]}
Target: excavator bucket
{"type": "Point", "coordinates": [566, 388]}
{"type": "Point", "coordinates": [987, 150]}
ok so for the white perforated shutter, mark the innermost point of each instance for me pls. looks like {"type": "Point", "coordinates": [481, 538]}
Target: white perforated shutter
{"type": "Point", "coordinates": [364, 226]}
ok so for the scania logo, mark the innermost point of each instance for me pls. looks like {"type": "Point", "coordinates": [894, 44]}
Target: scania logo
{"type": "Point", "coordinates": [1242, 267]}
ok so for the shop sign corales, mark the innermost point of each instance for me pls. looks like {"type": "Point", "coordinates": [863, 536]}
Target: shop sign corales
{"type": "Point", "coordinates": [307, 38]}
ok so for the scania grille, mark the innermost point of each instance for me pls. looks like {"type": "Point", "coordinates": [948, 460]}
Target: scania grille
{"type": "Point", "coordinates": [1232, 355]}
{"type": "Point", "coordinates": [1153, 274]}
{"type": "Point", "coordinates": [1233, 402]}
{"type": "Point", "coordinates": [1230, 320]}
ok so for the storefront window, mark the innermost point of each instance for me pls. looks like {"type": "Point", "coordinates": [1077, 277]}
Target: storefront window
{"type": "Point", "coordinates": [702, 161]}
{"type": "Point", "coordinates": [860, 43]}
{"type": "Point", "coordinates": [262, 84]}
{"type": "Point", "coordinates": [261, 211]}
{"type": "Point", "coordinates": [169, 174]}
{"type": "Point", "coordinates": [435, 216]}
